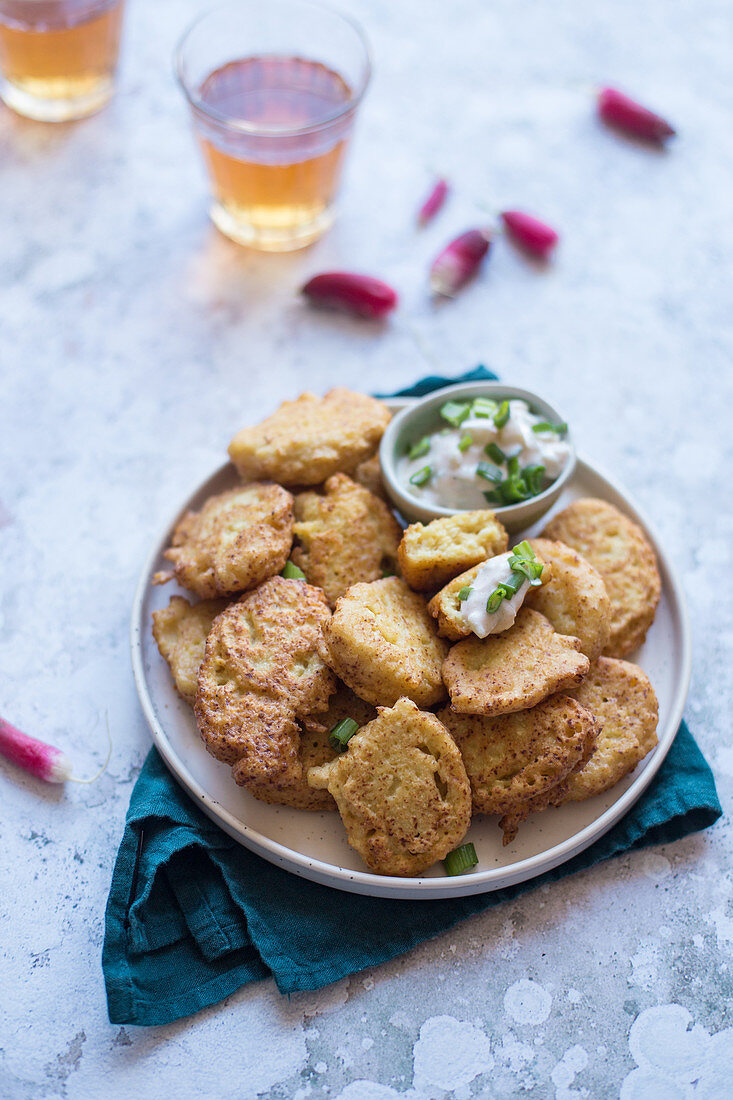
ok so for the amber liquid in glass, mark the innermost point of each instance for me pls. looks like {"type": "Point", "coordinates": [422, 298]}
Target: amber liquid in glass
{"type": "Point", "coordinates": [275, 176]}
{"type": "Point", "coordinates": [60, 50]}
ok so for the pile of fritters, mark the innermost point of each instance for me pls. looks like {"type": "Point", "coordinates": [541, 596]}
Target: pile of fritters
{"type": "Point", "coordinates": [544, 713]}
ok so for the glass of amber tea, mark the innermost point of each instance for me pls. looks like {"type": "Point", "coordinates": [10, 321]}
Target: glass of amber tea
{"type": "Point", "coordinates": [273, 87]}
{"type": "Point", "coordinates": [58, 57]}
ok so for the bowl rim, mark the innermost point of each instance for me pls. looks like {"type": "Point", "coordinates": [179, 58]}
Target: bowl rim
{"type": "Point", "coordinates": [387, 447]}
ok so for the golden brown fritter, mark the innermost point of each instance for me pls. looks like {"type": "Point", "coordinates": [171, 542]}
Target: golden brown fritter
{"type": "Point", "coordinates": [514, 670]}
{"type": "Point", "coordinates": [516, 762]}
{"type": "Point", "coordinates": [181, 629]}
{"type": "Point", "coordinates": [447, 608]}
{"type": "Point", "coordinates": [621, 698]}
{"type": "Point", "coordinates": [383, 644]}
{"type": "Point", "coordinates": [369, 474]}
{"type": "Point", "coordinates": [307, 440]}
{"type": "Point", "coordinates": [263, 670]}
{"type": "Point", "coordinates": [401, 789]}
{"type": "Point", "coordinates": [314, 750]}
{"type": "Point", "coordinates": [346, 536]}
{"type": "Point", "coordinates": [619, 550]}
{"type": "Point", "coordinates": [238, 539]}
{"type": "Point", "coordinates": [430, 555]}
{"type": "Point", "coordinates": [573, 597]}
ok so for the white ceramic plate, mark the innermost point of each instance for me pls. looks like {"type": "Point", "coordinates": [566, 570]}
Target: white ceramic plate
{"type": "Point", "coordinates": [314, 845]}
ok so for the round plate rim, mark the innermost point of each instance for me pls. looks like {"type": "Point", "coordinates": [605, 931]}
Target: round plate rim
{"type": "Point", "coordinates": [365, 882]}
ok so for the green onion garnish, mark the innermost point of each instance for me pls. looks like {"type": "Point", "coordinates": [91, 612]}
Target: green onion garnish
{"type": "Point", "coordinates": [465, 592]}
{"type": "Point", "coordinates": [502, 415]}
{"type": "Point", "coordinates": [534, 476]}
{"type": "Point", "coordinates": [291, 572]}
{"type": "Point", "coordinates": [422, 477]}
{"type": "Point", "coordinates": [342, 733]}
{"type": "Point", "coordinates": [513, 490]}
{"type": "Point", "coordinates": [495, 453]}
{"type": "Point", "coordinates": [512, 466]}
{"type": "Point", "coordinates": [460, 860]}
{"type": "Point", "coordinates": [488, 472]}
{"type": "Point", "coordinates": [483, 407]}
{"type": "Point", "coordinates": [464, 442]}
{"type": "Point", "coordinates": [417, 450]}
{"type": "Point", "coordinates": [455, 412]}
{"type": "Point", "coordinates": [546, 426]}
{"type": "Point", "coordinates": [523, 550]}
{"type": "Point", "coordinates": [494, 601]}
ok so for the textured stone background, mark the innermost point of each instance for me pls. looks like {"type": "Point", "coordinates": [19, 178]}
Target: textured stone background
{"type": "Point", "coordinates": [134, 341]}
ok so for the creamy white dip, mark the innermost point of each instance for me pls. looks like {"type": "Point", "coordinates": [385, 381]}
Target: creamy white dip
{"type": "Point", "coordinates": [453, 479]}
{"type": "Point", "coordinates": [473, 609]}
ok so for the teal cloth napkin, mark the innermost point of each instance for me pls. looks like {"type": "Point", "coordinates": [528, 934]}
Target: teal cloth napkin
{"type": "Point", "coordinates": [192, 915]}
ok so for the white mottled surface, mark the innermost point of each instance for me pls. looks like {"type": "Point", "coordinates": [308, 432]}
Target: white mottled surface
{"type": "Point", "coordinates": [134, 341]}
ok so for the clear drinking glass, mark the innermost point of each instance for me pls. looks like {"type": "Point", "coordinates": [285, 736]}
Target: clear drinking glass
{"type": "Point", "coordinates": [273, 87]}
{"type": "Point", "coordinates": [58, 57]}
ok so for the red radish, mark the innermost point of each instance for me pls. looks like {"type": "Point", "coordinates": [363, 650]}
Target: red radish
{"type": "Point", "coordinates": [529, 233]}
{"type": "Point", "coordinates": [625, 114]}
{"type": "Point", "coordinates": [41, 760]}
{"type": "Point", "coordinates": [459, 261]}
{"type": "Point", "coordinates": [360, 295]}
{"type": "Point", "coordinates": [433, 202]}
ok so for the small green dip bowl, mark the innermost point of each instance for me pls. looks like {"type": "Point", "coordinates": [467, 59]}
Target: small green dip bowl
{"type": "Point", "coordinates": [422, 417]}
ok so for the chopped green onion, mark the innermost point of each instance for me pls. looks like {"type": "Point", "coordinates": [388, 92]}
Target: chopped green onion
{"type": "Point", "coordinates": [464, 442]}
{"type": "Point", "coordinates": [291, 572]}
{"type": "Point", "coordinates": [493, 496]}
{"type": "Point", "coordinates": [460, 860]}
{"type": "Point", "coordinates": [513, 490]}
{"type": "Point", "coordinates": [534, 476]}
{"type": "Point", "coordinates": [532, 570]}
{"type": "Point", "coordinates": [488, 472]}
{"type": "Point", "coordinates": [342, 733]}
{"type": "Point", "coordinates": [465, 592]}
{"type": "Point", "coordinates": [484, 407]}
{"type": "Point", "coordinates": [512, 586]}
{"type": "Point", "coordinates": [523, 550]}
{"type": "Point", "coordinates": [502, 415]}
{"type": "Point", "coordinates": [455, 412]}
{"type": "Point", "coordinates": [422, 477]}
{"type": "Point", "coordinates": [494, 601]}
{"type": "Point", "coordinates": [495, 453]}
{"type": "Point", "coordinates": [546, 426]}
{"type": "Point", "coordinates": [417, 450]}
{"type": "Point", "coordinates": [512, 466]}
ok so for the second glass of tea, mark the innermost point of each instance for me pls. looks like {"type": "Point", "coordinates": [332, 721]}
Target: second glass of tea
{"type": "Point", "coordinates": [58, 57]}
{"type": "Point", "coordinates": [273, 87]}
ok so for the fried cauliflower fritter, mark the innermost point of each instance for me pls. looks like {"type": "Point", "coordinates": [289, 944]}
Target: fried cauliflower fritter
{"type": "Point", "coordinates": [619, 550]}
{"type": "Point", "coordinates": [263, 670]}
{"type": "Point", "coordinates": [346, 536]}
{"type": "Point", "coordinates": [621, 698]}
{"type": "Point", "coordinates": [514, 670]}
{"type": "Point", "coordinates": [401, 789]}
{"type": "Point", "coordinates": [516, 762]}
{"type": "Point", "coordinates": [369, 474]}
{"type": "Point", "coordinates": [431, 555]}
{"type": "Point", "coordinates": [447, 608]}
{"type": "Point", "coordinates": [307, 440]}
{"type": "Point", "coordinates": [314, 750]}
{"type": "Point", "coordinates": [238, 539]}
{"type": "Point", "coordinates": [573, 597]}
{"type": "Point", "coordinates": [180, 630]}
{"type": "Point", "coordinates": [382, 643]}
